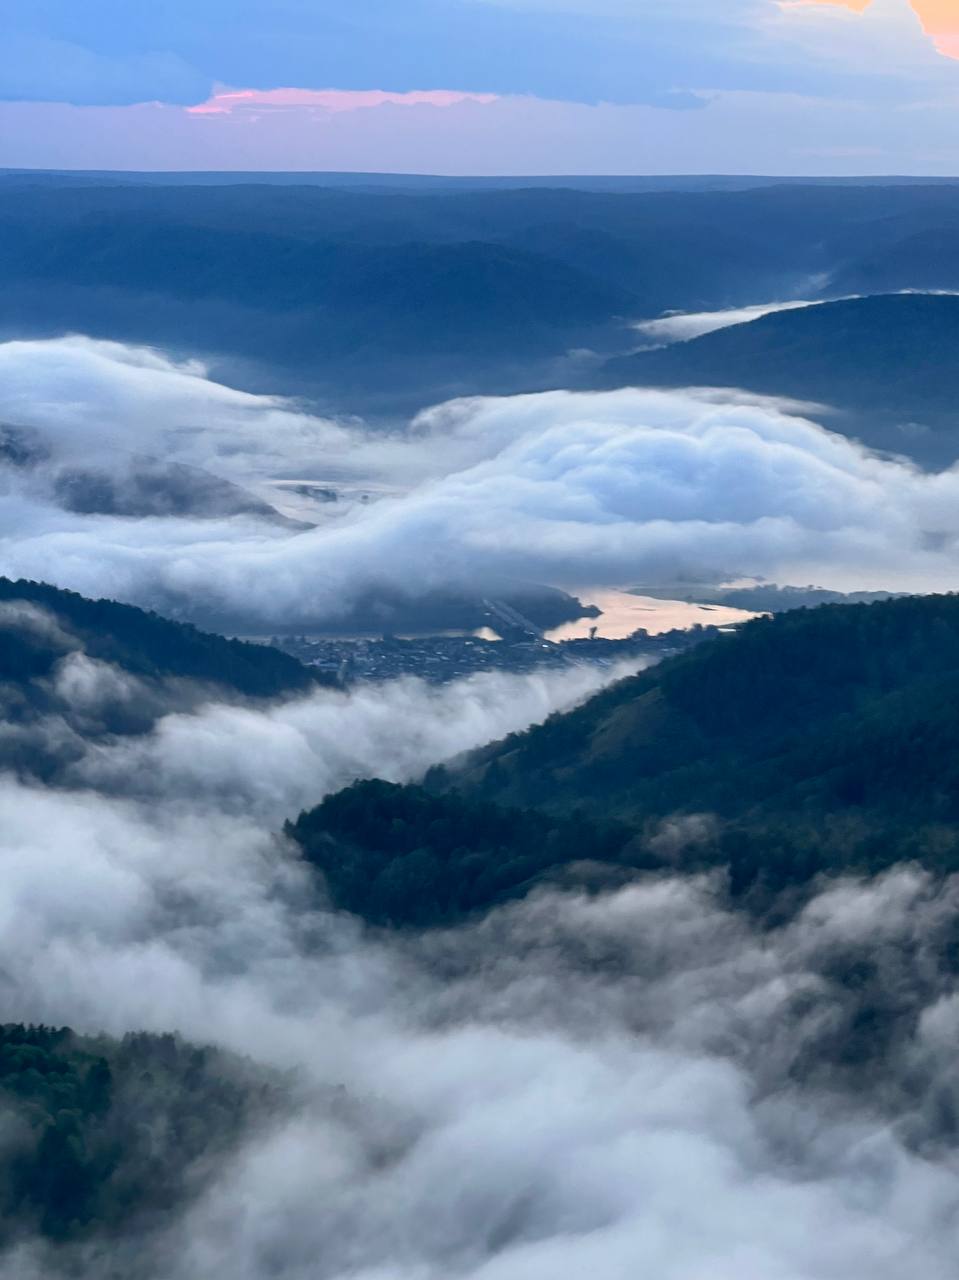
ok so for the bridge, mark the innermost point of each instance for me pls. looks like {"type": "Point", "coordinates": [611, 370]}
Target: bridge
{"type": "Point", "coordinates": [514, 620]}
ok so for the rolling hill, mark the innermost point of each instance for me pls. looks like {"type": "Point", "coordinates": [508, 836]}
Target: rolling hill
{"type": "Point", "coordinates": [40, 625]}
{"type": "Point", "coordinates": [889, 363]}
{"type": "Point", "coordinates": [927, 259]}
{"type": "Point", "coordinates": [75, 671]}
{"type": "Point", "coordinates": [377, 295]}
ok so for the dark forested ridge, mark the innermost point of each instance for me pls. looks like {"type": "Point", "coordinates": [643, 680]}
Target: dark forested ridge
{"type": "Point", "coordinates": [890, 363]}
{"type": "Point", "coordinates": [404, 856]}
{"type": "Point", "coordinates": [829, 735]}
{"type": "Point", "coordinates": [75, 671]}
{"type": "Point", "coordinates": [815, 741]}
{"type": "Point", "coordinates": [788, 695]}
{"type": "Point", "coordinates": [139, 642]}
{"type": "Point", "coordinates": [106, 1135]}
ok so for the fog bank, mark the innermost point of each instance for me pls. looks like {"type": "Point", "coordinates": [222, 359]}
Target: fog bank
{"type": "Point", "coordinates": [607, 489]}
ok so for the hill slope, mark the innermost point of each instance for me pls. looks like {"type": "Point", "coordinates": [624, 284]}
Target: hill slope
{"type": "Point", "coordinates": [814, 741]}
{"type": "Point", "coordinates": [40, 625]}
{"type": "Point", "coordinates": [890, 363]}
{"type": "Point", "coordinates": [789, 712]}
{"type": "Point", "coordinates": [108, 1136]}
{"type": "Point", "coordinates": [928, 259]}
{"type": "Point", "coordinates": [75, 671]}
{"type": "Point", "coordinates": [833, 728]}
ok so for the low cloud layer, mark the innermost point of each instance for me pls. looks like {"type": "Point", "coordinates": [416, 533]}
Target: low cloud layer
{"type": "Point", "coordinates": [574, 1083]}
{"type": "Point", "coordinates": [602, 489]}
{"type": "Point", "coordinates": [632, 485]}
{"type": "Point", "coordinates": [643, 1078]}
{"type": "Point", "coordinates": [682, 326]}
{"type": "Point", "coordinates": [252, 102]}
{"type": "Point", "coordinates": [307, 747]}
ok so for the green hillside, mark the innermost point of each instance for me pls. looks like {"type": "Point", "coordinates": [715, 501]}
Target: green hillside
{"type": "Point", "coordinates": [106, 1135]}
{"type": "Point", "coordinates": [813, 741]}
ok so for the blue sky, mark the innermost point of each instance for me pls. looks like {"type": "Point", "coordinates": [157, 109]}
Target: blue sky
{"type": "Point", "coordinates": [625, 81]}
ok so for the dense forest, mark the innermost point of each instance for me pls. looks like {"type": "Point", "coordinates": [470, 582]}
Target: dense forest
{"type": "Point", "coordinates": [815, 741]}
{"type": "Point", "coordinates": [402, 856]}
{"type": "Point", "coordinates": [779, 713]}
{"type": "Point", "coordinates": [112, 1135]}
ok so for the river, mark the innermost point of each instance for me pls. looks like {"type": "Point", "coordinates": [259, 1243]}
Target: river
{"type": "Point", "coordinates": [624, 613]}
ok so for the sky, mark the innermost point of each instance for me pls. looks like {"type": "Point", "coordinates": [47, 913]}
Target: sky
{"type": "Point", "coordinates": [483, 86]}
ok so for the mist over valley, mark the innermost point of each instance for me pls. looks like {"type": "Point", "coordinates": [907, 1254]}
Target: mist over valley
{"type": "Point", "coordinates": [478, 760]}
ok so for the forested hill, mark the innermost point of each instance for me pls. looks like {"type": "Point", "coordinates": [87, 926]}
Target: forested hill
{"type": "Point", "coordinates": [107, 1135]}
{"type": "Point", "coordinates": [812, 742]}
{"type": "Point", "coordinates": [889, 362]}
{"type": "Point", "coordinates": [844, 706]}
{"type": "Point", "coordinates": [400, 855]}
{"type": "Point", "coordinates": [40, 624]}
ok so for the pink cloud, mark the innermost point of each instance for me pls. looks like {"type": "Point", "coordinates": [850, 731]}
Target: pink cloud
{"type": "Point", "coordinates": [939, 18]}
{"type": "Point", "coordinates": [229, 101]}
{"type": "Point", "coordinates": [738, 133]}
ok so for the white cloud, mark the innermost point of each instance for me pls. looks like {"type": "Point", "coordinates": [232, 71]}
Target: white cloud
{"type": "Point", "coordinates": [94, 398]}
{"type": "Point", "coordinates": [607, 489]}
{"type": "Point", "coordinates": [681, 326]}
{"type": "Point", "coordinates": [483, 1104]}
{"type": "Point", "coordinates": [309, 746]}
{"type": "Point", "coordinates": [873, 125]}
{"type": "Point", "coordinates": [574, 1083]}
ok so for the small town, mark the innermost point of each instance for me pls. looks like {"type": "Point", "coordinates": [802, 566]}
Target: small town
{"type": "Point", "coordinates": [440, 659]}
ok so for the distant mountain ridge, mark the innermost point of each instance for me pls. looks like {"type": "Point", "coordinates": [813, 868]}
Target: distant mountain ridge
{"type": "Point", "coordinates": [389, 182]}
{"type": "Point", "coordinates": [384, 299]}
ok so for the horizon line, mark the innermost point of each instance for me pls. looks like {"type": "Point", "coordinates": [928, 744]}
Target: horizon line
{"type": "Point", "coordinates": [6, 170]}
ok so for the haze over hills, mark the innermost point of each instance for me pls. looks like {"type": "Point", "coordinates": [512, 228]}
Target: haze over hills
{"type": "Point", "coordinates": [778, 760]}
{"type": "Point", "coordinates": [922, 260]}
{"type": "Point", "coordinates": [332, 289]}
{"type": "Point", "coordinates": [95, 670]}
{"type": "Point", "coordinates": [888, 363]}
{"type": "Point", "coordinates": [391, 182]}
{"type": "Point", "coordinates": [123, 483]}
